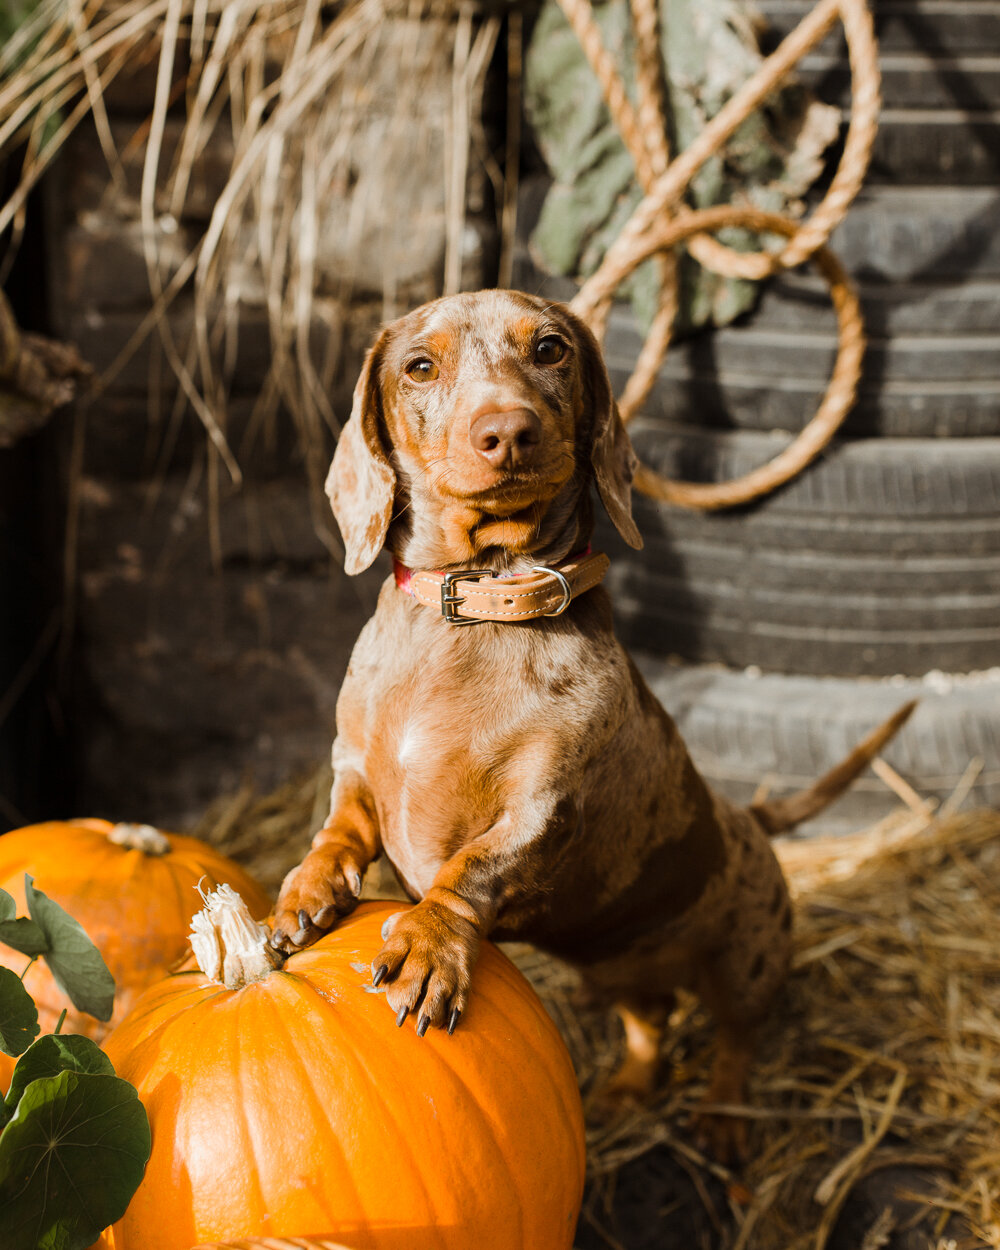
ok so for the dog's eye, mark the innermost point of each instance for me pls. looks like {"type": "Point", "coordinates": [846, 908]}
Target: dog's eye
{"type": "Point", "coordinates": [422, 370]}
{"type": "Point", "coordinates": [549, 350]}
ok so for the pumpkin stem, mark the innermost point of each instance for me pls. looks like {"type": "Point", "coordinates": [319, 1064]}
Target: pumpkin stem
{"type": "Point", "coordinates": [140, 838]}
{"type": "Point", "coordinates": [231, 948]}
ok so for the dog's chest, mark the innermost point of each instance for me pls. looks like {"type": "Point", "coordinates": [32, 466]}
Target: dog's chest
{"type": "Point", "coordinates": [448, 727]}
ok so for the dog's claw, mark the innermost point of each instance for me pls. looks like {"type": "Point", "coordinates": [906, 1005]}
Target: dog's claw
{"type": "Point", "coordinates": [379, 975]}
{"type": "Point", "coordinates": [423, 1025]}
{"type": "Point", "coordinates": [305, 920]}
{"type": "Point", "coordinates": [401, 1016]}
{"type": "Point", "coordinates": [453, 1019]}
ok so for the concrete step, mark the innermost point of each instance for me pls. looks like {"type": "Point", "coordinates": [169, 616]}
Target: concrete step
{"type": "Point", "coordinates": [944, 28]}
{"type": "Point", "coordinates": [957, 147]}
{"type": "Point", "coordinates": [743, 727]}
{"type": "Point", "coordinates": [913, 80]}
{"type": "Point", "coordinates": [801, 301]}
{"type": "Point", "coordinates": [776, 354]}
{"type": "Point", "coordinates": [921, 234]}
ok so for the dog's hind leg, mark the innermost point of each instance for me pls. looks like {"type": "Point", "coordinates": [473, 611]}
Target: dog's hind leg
{"type": "Point", "coordinates": [724, 1135]}
{"type": "Point", "coordinates": [738, 984]}
{"type": "Point", "coordinates": [644, 1024]}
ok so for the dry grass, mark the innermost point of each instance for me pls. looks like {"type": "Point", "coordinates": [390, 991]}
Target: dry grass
{"type": "Point", "coordinates": [297, 91]}
{"type": "Point", "coordinates": [884, 1049]}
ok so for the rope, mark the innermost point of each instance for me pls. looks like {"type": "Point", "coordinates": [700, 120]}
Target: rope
{"type": "Point", "coordinates": [841, 389]}
{"type": "Point", "coordinates": [664, 181]}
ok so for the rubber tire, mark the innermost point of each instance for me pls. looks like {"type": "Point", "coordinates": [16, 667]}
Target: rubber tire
{"type": "Point", "coordinates": [927, 262]}
{"type": "Point", "coordinates": [929, 369]}
{"type": "Point", "coordinates": [742, 729]}
{"type": "Point", "coordinates": [882, 558]}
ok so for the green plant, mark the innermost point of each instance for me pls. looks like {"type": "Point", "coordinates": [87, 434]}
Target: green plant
{"type": "Point", "coordinates": [74, 1138]}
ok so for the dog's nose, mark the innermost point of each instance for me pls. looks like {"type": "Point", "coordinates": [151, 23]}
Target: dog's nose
{"type": "Point", "coordinates": [508, 440]}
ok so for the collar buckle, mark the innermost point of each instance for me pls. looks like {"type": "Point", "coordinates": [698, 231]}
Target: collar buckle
{"type": "Point", "coordinates": [450, 601]}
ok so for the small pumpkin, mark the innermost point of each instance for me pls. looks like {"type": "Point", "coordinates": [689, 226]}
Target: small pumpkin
{"type": "Point", "coordinates": [133, 889]}
{"type": "Point", "coordinates": [284, 1099]}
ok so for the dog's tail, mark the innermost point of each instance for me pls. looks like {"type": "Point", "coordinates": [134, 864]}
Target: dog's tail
{"type": "Point", "coordinates": [777, 815]}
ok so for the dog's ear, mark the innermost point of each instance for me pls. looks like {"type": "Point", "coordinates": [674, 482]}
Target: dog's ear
{"type": "Point", "coordinates": [611, 451]}
{"type": "Point", "coordinates": [361, 484]}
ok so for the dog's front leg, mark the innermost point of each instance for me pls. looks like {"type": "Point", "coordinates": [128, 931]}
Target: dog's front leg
{"type": "Point", "coordinates": [430, 950]}
{"type": "Point", "coordinates": [327, 884]}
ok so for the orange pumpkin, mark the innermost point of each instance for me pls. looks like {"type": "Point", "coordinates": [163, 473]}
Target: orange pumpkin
{"type": "Point", "coordinates": [276, 1243]}
{"type": "Point", "coordinates": [131, 887]}
{"type": "Point", "coordinates": [258, 1243]}
{"type": "Point", "coordinates": [295, 1104]}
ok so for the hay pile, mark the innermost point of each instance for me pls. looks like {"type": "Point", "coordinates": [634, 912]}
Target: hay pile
{"type": "Point", "coordinates": [884, 1050]}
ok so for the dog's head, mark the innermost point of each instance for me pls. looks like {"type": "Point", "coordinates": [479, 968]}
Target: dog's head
{"type": "Point", "coordinates": [479, 421]}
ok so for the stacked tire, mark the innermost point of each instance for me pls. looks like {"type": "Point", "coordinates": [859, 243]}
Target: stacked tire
{"type": "Point", "coordinates": [778, 634]}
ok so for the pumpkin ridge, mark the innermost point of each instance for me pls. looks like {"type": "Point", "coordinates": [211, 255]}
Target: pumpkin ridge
{"type": "Point", "coordinates": [533, 1005]}
{"type": "Point", "coordinates": [303, 978]}
{"type": "Point", "coordinates": [564, 1088]}
{"type": "Point", "coordinates": [164, 994]}
{"type": "Point", "coordinates": [375, 1080]}
{"type": "Point", "coordinates": [472, 1102]}
{"type": "Point", "coordinates": [240, 1104]}
{"type": "Point", "coordinates": [332, 1139]}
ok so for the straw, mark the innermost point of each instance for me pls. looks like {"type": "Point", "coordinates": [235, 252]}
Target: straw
{"type": "Point", "coordinates": [883, 1050]}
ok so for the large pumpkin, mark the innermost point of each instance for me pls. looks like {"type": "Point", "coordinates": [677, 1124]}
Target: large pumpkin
{"type": "Point", "coordinates": [131, 887]}
{"type": "Point", "coordinates": [276, 1243]}
{"type": "Point", "coordinates": [295, 1106]}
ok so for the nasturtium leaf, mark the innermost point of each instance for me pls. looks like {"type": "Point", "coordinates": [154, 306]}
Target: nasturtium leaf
{"type": "Point", "coordinates": [71, 1158]}
{"type": "Point", "coordinates": [18, 1017]}
{"type": "Point", "coordinates": [24, 936]}
{"type": "Point", "coordinates": [74, 960]}
{"type": "Point", "coordinates": [8, 908]}
{"type": "Point", "coordinates": [50, 1055]}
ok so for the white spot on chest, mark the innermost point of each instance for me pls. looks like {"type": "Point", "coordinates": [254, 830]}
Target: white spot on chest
{"type": "Point", "coordinates": [409, 745]}
{"type": "Point", "coordinates": [419, 869]}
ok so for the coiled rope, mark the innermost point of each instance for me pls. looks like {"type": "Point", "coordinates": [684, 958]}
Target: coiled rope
{"type": "Point", "coordinates": [661, 222]}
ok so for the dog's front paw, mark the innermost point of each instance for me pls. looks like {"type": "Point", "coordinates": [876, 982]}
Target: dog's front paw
{"type": "Point", "coordinates": [426, 965]}
{"type": "Point", "coordinates": [314, 896]}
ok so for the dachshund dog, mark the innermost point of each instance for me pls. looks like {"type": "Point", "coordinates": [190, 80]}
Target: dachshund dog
{"type": "Point", "coordinates": [494, 739]}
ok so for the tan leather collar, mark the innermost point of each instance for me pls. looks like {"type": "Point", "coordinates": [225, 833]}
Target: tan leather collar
{"type": "Point", "coordinates": [468, 596]}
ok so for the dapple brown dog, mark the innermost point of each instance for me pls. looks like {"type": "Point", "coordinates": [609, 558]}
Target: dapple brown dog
{"type": "Point", "coordinates": [494, 740]}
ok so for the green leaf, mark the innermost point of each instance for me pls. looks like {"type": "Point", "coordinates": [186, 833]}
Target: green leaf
{"type": "Point", "coordinates": [71, 1158]}
{"type": "Point", "coordinates": [50, 1055]}
{"type": "Point", "coordinates": [24, 936]}
{"type": "Point", "coordinates": [76, 963]}
{"type": "Point", "coordinates": [18, 1017]}
{"type": "Point", "coordinates": [8, 908]}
